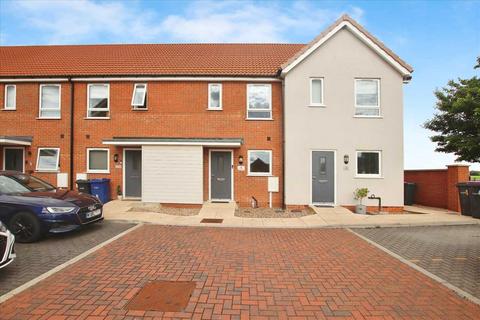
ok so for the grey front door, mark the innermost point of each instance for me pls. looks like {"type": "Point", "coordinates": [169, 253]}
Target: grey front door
{"type": "Point", "coordinates": [221, 175]}
{"type": "Point", "coordinates": [14, 159]}
{"type": "Point", "coordinates": [323, 177]}
{"type": "Point", "coordinates": [133, 173]}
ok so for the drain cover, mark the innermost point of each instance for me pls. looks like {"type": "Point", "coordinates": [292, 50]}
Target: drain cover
{"type": "Point", "coordinates": [165, 296]}
{"type": "Point", "coordinates": [210, 220]}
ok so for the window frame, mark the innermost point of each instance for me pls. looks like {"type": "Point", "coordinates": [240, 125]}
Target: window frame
{"type": "Point", "coordinates": [220, 104]}
{"type": "Point", "coordinates": [317, 104]}
{"type": "Point", "coordinates": [98, 170]}
{"type": "Point", "coordinates": [269, 85]}
{"type": "Point", "coordinates": [378, 106]}
{"type": "Point", "coordinates": [38, 158]}
{"type": "Point", "coordinates": [108, 100]}
{"type": "Point", "coordinates": [142, 106]}
{"type": "Point", "coordinates": [59, 101]}
{"type": "Point", "coordinates": [14, 97]}
{"type": "Point", "coordinates": [260, 174]}
{"type": "Point", "coordinates": [369, 175]}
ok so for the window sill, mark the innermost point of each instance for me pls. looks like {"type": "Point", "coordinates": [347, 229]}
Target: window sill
{"type": "Point", "coordinates": [369, 117]}
{"type": "Point", "coordinates": [368, 177]}
{"type": "Point", "coordinates": [260, 175]}
{"type": "Point", "coordinates": [259, 119]}
{"type": "Point", "coordinates": [9, 109]}
{"type": "Point", "coordinates": [99, 171]}
{"type": "Point", "coordinates": [96, 118]}
{"type": "Point", "coordinates": [48, 118]}
{"type": "Point", "coordinates": [317, 106]}
{"type": "Point", "coordinates": [47, 171]}
{"type": "Point", "coordinates": [214, 109]}
{"type": "Point", "coordinates": [139, 109]}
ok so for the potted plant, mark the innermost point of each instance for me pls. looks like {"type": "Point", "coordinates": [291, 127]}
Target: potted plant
{"type": "Point", "coordinates": [119, 193]}
{"type": "Point", "coordinates": [359, 194]}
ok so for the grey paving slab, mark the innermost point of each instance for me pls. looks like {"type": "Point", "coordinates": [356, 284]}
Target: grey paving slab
{"type": "Point", "coordinates": [34, 259]}
{"type": "Point", "coordinates": [450, 252]}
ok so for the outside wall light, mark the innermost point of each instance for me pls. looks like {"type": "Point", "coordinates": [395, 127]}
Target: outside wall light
{"type": "Point", "coordinates": [115, 157]}
{"type": "Point", "coordinates": [240, 160]}
{"type": "Point", "coordinates": [346, 159]}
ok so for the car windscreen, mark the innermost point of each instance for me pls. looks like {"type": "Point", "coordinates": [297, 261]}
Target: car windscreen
{"type": "Point", "coordinates": [32, 183]}
{"type": "Point", "coordinates": [11, 186]}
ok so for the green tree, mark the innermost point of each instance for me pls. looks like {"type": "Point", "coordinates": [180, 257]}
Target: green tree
{"type": "Point", "coordinates": [457, 121]}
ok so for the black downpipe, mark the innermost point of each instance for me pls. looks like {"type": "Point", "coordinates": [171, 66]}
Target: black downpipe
{"type": "Point", "coordinates": [72, 96]}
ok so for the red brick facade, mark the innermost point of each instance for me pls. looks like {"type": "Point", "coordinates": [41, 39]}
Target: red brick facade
{"type": "Point", "coordinates": [175, 109]}
{"type": "Point", "coordinates": [438, 188]}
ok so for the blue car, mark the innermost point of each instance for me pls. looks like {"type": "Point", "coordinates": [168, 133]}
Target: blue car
{"type": "Point", "coordinates": [31, 207]}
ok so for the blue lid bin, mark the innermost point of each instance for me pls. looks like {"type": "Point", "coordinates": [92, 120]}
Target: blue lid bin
{"type": "Point", "coordinates": [101, 189]}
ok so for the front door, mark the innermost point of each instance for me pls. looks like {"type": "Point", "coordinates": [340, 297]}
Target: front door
{"type": "Point", "coordinates": [133, 173]}
{"type": "Point", "coordinates": [13, 159]}
{"type": "Point", "coordinates": [221, 175]}
{"type": "Point", "coordinates": [323, 177]}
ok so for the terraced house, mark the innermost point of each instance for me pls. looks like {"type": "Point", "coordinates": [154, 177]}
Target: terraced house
{"type": "Point", "coordinates": [183, 124]}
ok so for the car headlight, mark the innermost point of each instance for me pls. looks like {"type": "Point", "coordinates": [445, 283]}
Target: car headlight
{"type": "Point", "coordinates": [59, 209]}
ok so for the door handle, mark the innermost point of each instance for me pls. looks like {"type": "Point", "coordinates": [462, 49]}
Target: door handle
{"type": "Point", "coordinates": [220, 179]}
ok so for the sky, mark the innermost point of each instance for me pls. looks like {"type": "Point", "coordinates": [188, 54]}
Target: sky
{"type": "Point", "coordinates": [440, 39]}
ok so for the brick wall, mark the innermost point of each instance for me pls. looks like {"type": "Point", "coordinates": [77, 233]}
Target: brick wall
{"type": "Point", "coordinates": [437, 188]}
{"type": "Point", "coordinates": [175, 109]}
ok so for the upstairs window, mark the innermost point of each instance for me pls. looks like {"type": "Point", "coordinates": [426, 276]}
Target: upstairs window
{"type": "Point", "coordinates": [215, 96]}
{"type": "Point", "coordinates": [259, 101]}
{"type": "Point", "coordinates": [367, 97]}
{"type": "Point", "coordinates": [48, 159]}
{"type": "Point", "coordinates": [369, 164]}
{"type": "Point", "coordinates": [139, 97]}
{"type": "Point", "coordinates": [10, 97]}
{"type": "Point", "coordinates": [316, 92]}
{"type": "Point", "coordinates": [98, 101]}
{"type": "Point", "coordinates": [50, 101]}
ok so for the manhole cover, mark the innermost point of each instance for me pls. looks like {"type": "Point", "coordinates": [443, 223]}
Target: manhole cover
{"type": "Point", "coordinates": [210, 220]}
{"type": "Point", "coordinates": [163, 296]}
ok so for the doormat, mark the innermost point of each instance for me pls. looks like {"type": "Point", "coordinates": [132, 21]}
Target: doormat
{"type": "Point", "coordinates": [323, 206]}
{"type": "Point", "coordinates": [211, 220]}
{"type": "Point", "coordinates": [164, 296]}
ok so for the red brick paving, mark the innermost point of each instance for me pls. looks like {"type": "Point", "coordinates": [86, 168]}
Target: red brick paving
{"type": "Point", "coordinates": [243, 273]}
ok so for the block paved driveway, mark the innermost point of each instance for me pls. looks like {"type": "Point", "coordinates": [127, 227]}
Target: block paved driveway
{"type": "Point", "coordinates": [450, 252]}
{"type": "Point", "coordinates": [34, 259]}
{"type": "Point", "coordinates": [243, 273]}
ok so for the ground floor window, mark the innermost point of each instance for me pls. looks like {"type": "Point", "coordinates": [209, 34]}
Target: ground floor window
{"type": "Point", "coordinates": [259, 162]}
{"type": "Point", "coordinates": [48, 159]}
{"type": "Point", "coordinates": [369, 164]}
{"type": "Point", "coordinates": [97, 160]}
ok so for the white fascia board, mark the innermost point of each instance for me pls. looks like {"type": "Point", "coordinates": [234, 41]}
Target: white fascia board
{"type": "Point", "coordinates": [213, 79]}
{"type": "Point", "coordinates": [171, 143]}
{"type": "Point", "coordinates": [359, 35]}
{"type": "Point", "coordinates": [33, 80]}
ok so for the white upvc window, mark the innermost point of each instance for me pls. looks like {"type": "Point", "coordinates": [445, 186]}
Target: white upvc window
{"type": "Point", "coordinates": [10, 97]}
{"type": "Point", "coordinates": [98, 160]}
{"type": "Point", "coordinates": [98, 100]}
{"type": "Point", "coordinates": [214, 96]}
{"type": "Point", "coordinates": [369, 164]}
{"type": "Point", "coordinates": [48, 159]}
{"type": "Point", "coordinates": [316, 92]}
{"type": "Point", "coordinates": [259, 162]}
{"type": "Point", "coordinates": [367, 97]}
{"type": "Point", "coordinates": [259, 101]}
{"type": "Point", "coordinates": [139, 96]}
{"type": "Point", "coordinates": [50, 101]}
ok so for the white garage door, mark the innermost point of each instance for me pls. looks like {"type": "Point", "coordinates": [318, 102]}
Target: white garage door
{"type": "Point", "coordinates": [172, 174]}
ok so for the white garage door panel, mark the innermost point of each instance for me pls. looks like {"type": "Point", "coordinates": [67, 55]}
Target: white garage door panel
{"type": "Point", "coordinates": [172, 174]}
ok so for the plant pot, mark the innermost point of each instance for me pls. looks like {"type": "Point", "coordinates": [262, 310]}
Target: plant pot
{"type": "Point", "coordinates": [119, 197]}
{"type": "Point", "coordinates": [361, 209]}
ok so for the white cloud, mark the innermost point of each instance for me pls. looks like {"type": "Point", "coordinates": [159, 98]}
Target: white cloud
{"type": "Point", "coordinates": [88, 21]}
